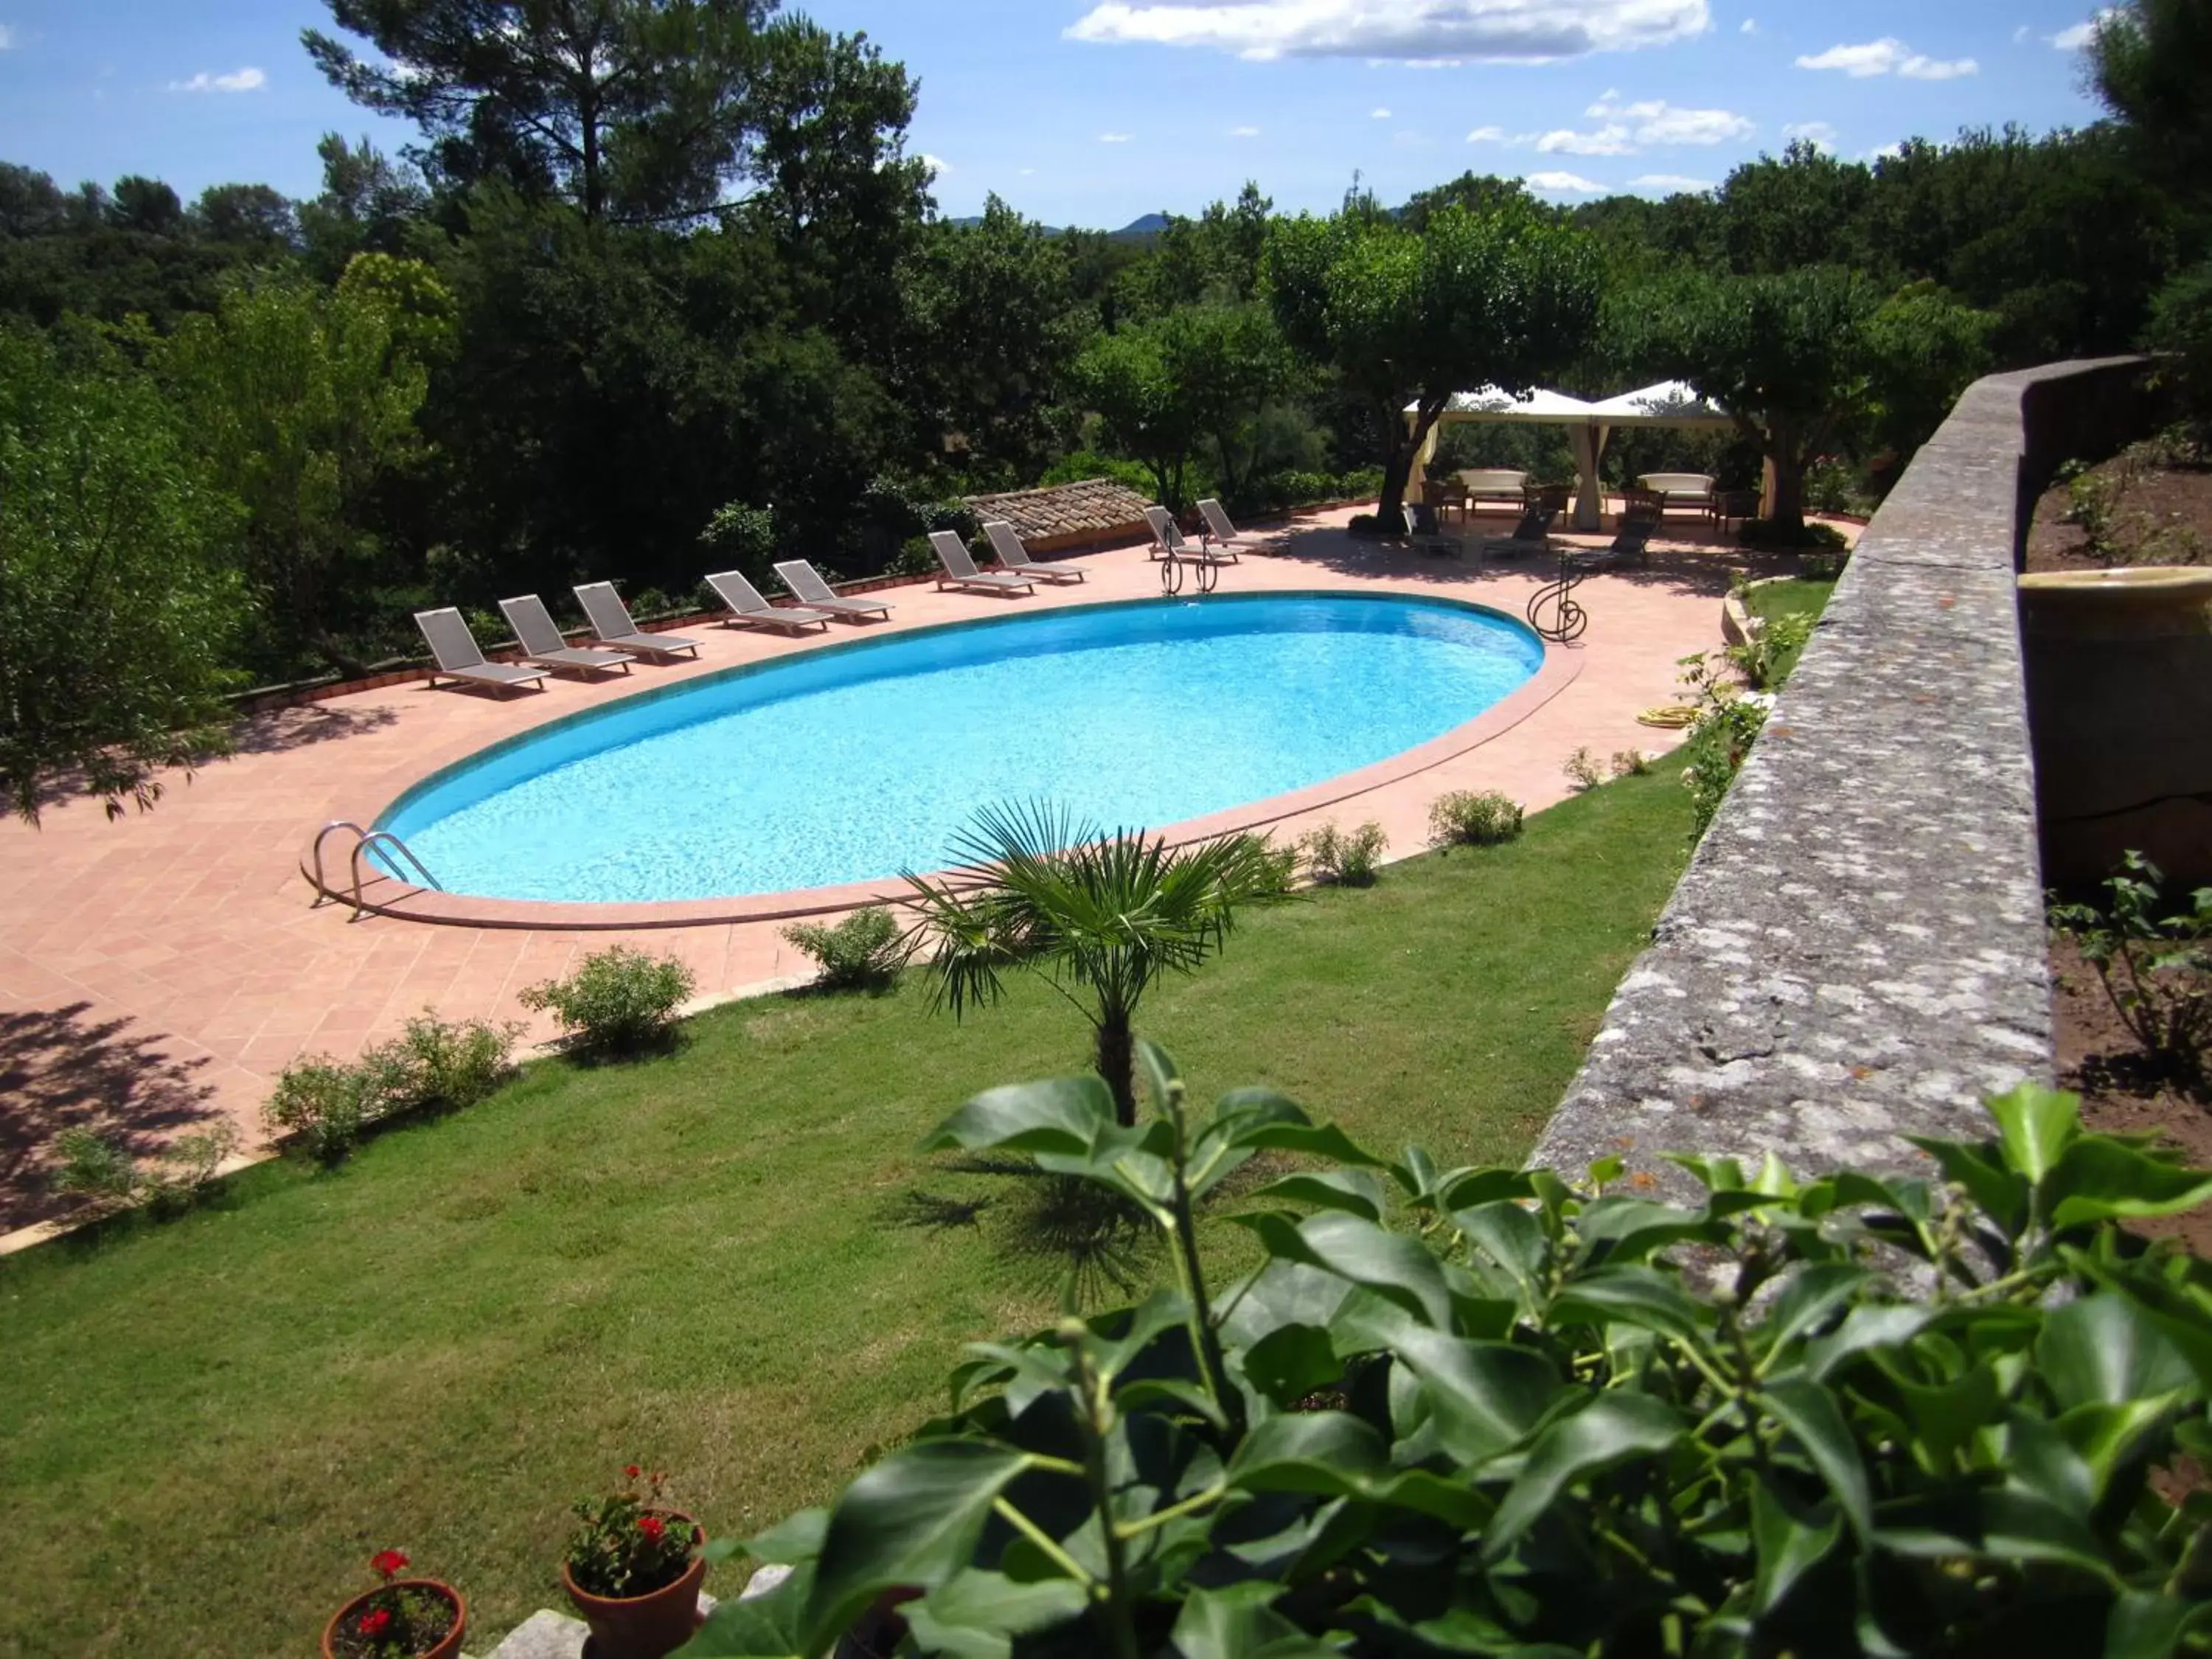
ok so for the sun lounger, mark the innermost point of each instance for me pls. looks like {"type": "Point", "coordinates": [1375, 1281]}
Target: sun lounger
{"type": "Point", "coordinates": [1631, 545]}
{"type": "Point", "coordinates": [612, 625]}
{"type": "Point", "coordinates": [447, 633]}
{"type": "Point", "coordinates": [542, 644]}
{"type": "Point", "coordinates": [1014, 556]}
{"type": "Point", "coordinates": [1220, 532]}
{"type": "Point", "coordinates": [807, 586]}
{"type": "Point", "coordinates": [748, 609]}
{"type": "Point", "coordinates": [1425, 531]}
{"type": "Point", "coordinates": [960, 570]}
{"type": "Point", "coordinates": [1532, 535]}
{"type": "Point", "coordinates": [1169, 543]}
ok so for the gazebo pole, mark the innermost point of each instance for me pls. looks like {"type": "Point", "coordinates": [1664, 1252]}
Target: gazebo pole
{"type": "Point", "coordinates": [1588, 441]}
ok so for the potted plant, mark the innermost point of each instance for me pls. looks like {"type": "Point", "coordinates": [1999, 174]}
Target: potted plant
{"type": "Point", "coordinates": [400, 1619]}
{"type": "Point", "coordinates": [634, 1570]}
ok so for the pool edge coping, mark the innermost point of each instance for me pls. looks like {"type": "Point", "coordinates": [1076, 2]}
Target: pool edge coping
{"type": "Point", "coordinates": [1561, 665]}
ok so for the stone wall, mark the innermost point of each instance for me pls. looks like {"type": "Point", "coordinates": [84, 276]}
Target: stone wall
{"type": "Point", "coordinates": [1856, 950]}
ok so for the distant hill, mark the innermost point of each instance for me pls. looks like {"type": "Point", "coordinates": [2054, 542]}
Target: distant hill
{"type": "Point", "coordinates": [1137, 230]}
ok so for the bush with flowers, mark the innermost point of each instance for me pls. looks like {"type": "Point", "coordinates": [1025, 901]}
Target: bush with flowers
{"type": "Point", "coordinates": [630, 1543]}
{"type": "Point", "coordinates": [399, 1621]}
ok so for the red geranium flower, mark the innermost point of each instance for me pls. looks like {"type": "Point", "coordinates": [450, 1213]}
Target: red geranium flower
{"type": "Point", "coordinates": [375, 1622]}
{"type": "Point", "coordinates": [652, 1526]}
{"type": "Point", "coordinates": [631, 1470]}
{"type": "Point", "coordinates": [387, 1564]}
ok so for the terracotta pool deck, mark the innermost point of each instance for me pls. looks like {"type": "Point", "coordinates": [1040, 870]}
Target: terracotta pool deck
{"type": "Point", "coordinates": [164, 967]}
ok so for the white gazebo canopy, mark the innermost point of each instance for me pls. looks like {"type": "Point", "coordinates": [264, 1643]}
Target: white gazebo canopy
{"type": "Point", "coordinates": [1668, 404]}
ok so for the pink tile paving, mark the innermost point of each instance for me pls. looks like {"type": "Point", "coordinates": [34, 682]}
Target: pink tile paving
{"type": "Point", "coordinates": [166, 966]}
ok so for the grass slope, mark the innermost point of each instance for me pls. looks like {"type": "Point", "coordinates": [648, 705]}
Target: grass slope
{"type": "Point", "coordinates": [206, 1427]}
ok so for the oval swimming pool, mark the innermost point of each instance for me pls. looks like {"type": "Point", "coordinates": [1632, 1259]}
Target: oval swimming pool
{"type": "Point", "coordinates": [854, 762]}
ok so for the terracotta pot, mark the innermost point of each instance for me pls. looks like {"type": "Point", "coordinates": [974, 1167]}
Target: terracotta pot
{"type": "Point", "coordinates": [649, 1626]}
{"type": "Point", "coordinates": [445, 1649]}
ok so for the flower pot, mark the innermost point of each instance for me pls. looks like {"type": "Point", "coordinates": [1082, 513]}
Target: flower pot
{"type": "Point", "coordinates": [648, 1626]}
{"type": "Point", "coordinates": [446, 1649]}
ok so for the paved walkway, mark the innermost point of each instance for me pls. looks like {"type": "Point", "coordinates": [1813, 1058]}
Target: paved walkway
{"type": "Point", "coordinates": [167, 966]}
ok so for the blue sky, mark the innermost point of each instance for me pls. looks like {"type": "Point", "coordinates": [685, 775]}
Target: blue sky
{"type": "Point", "coordinates": [1094, 112]}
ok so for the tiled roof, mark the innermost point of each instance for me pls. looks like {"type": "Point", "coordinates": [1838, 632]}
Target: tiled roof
{"type": "Point", "coordinates": [1064, 515]}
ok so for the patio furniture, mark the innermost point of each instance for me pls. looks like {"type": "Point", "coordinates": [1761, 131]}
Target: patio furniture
{"type": "Point", "coordinates": [960, 570]}
{"type": "Point", "coordinates": [612, 625]}
{"type": "Point", "coordinates": [1684, 492]}
{"type": "Point", "coordinates": [542, 644]}
{"type": "Point", "coordinates": [1428, 534]}
{"type": "Point", "coordinates": [1499, 486]}
{"type": "Point", "coordinates": [1637, 503]}
{"type": "Point", "coordinates": [1532, 535]}
{"type": "Point", "coordinates": [1171, 543]}
{"type": "Point", "coordinates": [1012, 556]}
{"type": "Point", "coordinates": [1220, 532]}
{"type": "Point", "coordinates": [454, 648]}
{"type": "Point", "coordinates": [748, 609]}
{"type": "Point", "coordinates": [1740, 505]}
{"type": "Point", "coordinates": [1445, 493]}
{"type": "Point", "coordinates": [1631, 545]}
{"type": "Point", "coordinates": [807, 586]}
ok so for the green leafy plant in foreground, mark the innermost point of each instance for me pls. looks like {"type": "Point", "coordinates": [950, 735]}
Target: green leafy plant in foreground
{"type": "Point", "coordinates": [1481, 1411]}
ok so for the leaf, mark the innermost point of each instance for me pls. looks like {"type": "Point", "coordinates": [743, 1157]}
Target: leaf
{"type": "Point", "coordinates": [1512, 1239]}
{"type": "Point", "coordinates": [1613, 1430]}
{"type": "Point", "coordinates": [1812, 1296]}
{"type": "Point", "coordinates": [1788, 1545]}
{"type": "Point", "coordinates": [912, 1520]}
{"type": "Point", "coordinates": [2002, 1524]}
{"type": "Point", "coordinates": [1809, 1412]}
{"type": "Point", "coordinates": [2144, 1624]}
{"type": "Point", "coordinates": [1319, 1452]}
{"type": "Point", "coordinates": [1465, 1189]}
{"type": "Point", "coordinates": [2101, 1178]}
{"type": "Point", "coordinates": [1866, 1328]}
{"type": "Point", "coordinates": [1484, 1398]}
{"type": "Point", "coordinates": [1237, 1622]}
{"type": "Point", "coordinates": [794, 1539]}
{"type": "Point", "coordinates": [1640, 1297]}
{"type": "Point", "coordinates": [1158, 1071]}
{"type": "Point", "coordinates": [2001, 1192]}
{"type": "Point", "coordinates": [1291, 1362]}
{"type": "Point", "coordinates": [976, 1614]}
{"type": "Point", "coordinates": [1317, 1140]}
{"type": "Point", "coordinates": [2104, 1349]}
{"type": "Point", "coordinates": [1627, 1230]}
{"type": "Point", "coordinates": [1392, 1265]}
{"type": "Point", "coordinates": [1356, 1191]}
{"type": "Point", "coordinates": [755, 1627]}
{"type": "Point", "coordinates": [2036, 1125]}
{"type": "Point", "coordinates": [1065, 1115]}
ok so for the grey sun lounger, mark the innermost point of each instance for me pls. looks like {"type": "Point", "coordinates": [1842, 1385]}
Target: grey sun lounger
{"type": "Point", "coordinates": [807, 586]}
{"type": "Point", "coordinates": [612, 625]}
{"type": "Point", "coordinates": [960, 570]}
{"type": "Point", "coordinates": [1012, 556]}
{"type": "Point", "coordinates": [447, 633]}
{"type": "Point", "coordinates": [1169, 543]}
{"type": "Point", "coordinates": [748, 609]}
{"type": "Point", "coordinates": [542, 644]}
{"type": "Point", "coordinates": [1532, 535]}
{"type": "Point", "coordinates": [1222, 533]}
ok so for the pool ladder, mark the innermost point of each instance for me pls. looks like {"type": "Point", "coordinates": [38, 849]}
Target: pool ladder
{"type": "Point", "coordinates": [365, 841]}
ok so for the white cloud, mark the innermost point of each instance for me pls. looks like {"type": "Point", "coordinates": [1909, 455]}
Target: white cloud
{"type": "Point", "coordinates": [1026, 173]}
{"type": "Point", "coordinates": [2082, 34]}
{"type": "Point", "coordinates": [1673, 183]}
{"type": "Point", "coordinates": [1659, 123]}
{"type": "Point", "coordinates": [7, 36]}
{"type": "Point", "coordinates": [242, 80]}
{"type": "Point", "coordinates": [1113, 138]}
{"type": "Point", "coordinates": [1243, 132]}
{"type": "Point", "coordinates": [1887, 152]}
{"type": "Point", "coordinates": [1492, 30]}
{"type": "Point", "coordinates": [1378, 115]}
{"type": "Point", "coordinates": [1486, 135]}
{"type": "Point", "coordinates": [2023, 34]}
{"type": "Point", "coordinates": [1562, 183]}
{"type": "Point", "coordinates": [1888, 55]}
{"type": "Point", "coordinates": [1819, 134]}
{"type": "Point", "coordinates": [1751, 25]}
{"type": "Point", "coordinates": [1606, 141]}
{"type": "Point", "coordinates": [939, 167]}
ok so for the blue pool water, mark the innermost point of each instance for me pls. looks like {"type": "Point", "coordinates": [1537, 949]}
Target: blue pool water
{"type": "Point", "coordinates": [855, 764]}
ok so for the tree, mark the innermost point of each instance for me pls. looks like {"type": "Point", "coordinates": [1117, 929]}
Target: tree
{"type": "Point", "coordinates": [366, 205]}
{"type": "Point", "coordinates": [1801, 359]}
{"type": "Point", "coordinates": [302, 403]}
{"type": "Point", "coordinates": [1802, 209]}
{"type": "Point", "coordinates": [1926, 349]}
{"type": "Point", "coordinates": [116, 597]}
{"type": "Point", "coordinates": [2149, 60]}
{"type": "Point", "coordinates": [1506, 297]}
{"type": "Point", "coordinates": [633, 108]}
{"type": "Point", "coordinates": [256, 218]}
{"type": "Point", "coordinates": [1100, 918]}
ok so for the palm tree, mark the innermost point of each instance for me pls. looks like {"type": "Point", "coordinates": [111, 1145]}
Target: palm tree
{"type": "Point", "coordinates": [1098, 917]}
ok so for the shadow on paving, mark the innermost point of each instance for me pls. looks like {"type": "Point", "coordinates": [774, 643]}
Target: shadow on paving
{"type": "Point", "coordinates": [59, 1069]}
{"type": "Point", "coordinates": [1691, 567]}
{"type": "Point", "coordinates": [274, 733]}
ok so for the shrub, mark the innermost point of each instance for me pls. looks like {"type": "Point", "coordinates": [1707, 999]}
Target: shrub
{"type": "Point", "coordinates": [1715, 751]}
{"type": "Point", "coordinates": [742, 536]}
{"type": "Point", "coordinates": [916, 557]}
{"type": "Point", "coordinates": [93, 1165]}
{"type": "Point", "coordinates": [1582, 771]}
{"type": "Point", "coordinates": [1467, 818]}
{"type": "Point", "coordinates": [185, 1169]}
{"type": "Point", "coordinates": [1630, 763]}
{"type": "Point", "coordinates": [618, 1000]}
{"type": "Point", "coordinates": [1486, 1410]}
{"type": "Point", "coordinates": [323, 1105]}
{"type": "Point", "coordinates": [864, 951]}
{"type": "Point", "coordinates": [1344, 858]}
{"type": "Point", "coordinates": [318, 1106]}
{"type": "Point", "coordinates": [2156, 971]}
{"type": "Point", "coordinates": [1766, 659]}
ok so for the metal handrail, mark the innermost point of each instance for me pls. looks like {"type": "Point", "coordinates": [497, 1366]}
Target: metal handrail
{"type": "Point", "coordinates": [365, 841]}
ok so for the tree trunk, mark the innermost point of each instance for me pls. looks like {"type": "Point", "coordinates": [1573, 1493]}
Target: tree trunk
{"type": "Point", "coordinates": [1400, 447]}
{"type": "Point", "coordinates": [1787, 509]}
{"type": "Point", "coordinates": [1117, 1065]}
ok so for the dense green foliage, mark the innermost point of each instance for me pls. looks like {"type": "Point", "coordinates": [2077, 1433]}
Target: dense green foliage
{"type": "Point", "coordinates": [653, 261]}
{"type": "Point", "coordinates": [1485, 1410]}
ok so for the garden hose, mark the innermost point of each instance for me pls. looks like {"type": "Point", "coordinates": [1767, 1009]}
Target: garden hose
{"type": "Point", "coordinates": [1670, 716]}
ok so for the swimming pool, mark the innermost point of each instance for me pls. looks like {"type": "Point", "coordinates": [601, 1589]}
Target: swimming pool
{"type": "Point", "coordinates": [856, 762]}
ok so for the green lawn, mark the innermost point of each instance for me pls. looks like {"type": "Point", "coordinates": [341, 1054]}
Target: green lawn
{"type": "Point", "coordinates": [1799, 596]}
{"type": "Point", "coordinates": [703, 1261]}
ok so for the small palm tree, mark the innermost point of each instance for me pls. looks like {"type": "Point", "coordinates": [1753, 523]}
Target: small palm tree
{"type": "Point", "coordinates": [1099, 917]}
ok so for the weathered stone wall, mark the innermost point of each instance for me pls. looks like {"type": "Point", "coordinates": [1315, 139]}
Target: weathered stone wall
{"type": "Point", "coordinates": [1856, 950]}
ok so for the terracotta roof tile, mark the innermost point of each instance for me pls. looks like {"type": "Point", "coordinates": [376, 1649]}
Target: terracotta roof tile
{"type": "Point", "coordinates": [1093, 510]}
